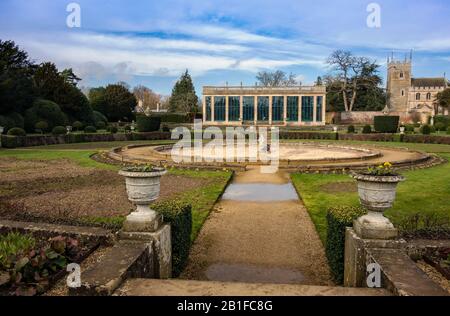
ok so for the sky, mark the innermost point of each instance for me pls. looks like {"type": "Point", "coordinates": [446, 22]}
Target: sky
{"type": "Point", "coordinates": [147, 42]}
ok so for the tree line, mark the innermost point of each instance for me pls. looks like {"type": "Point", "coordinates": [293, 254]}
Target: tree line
{"type": "Point", "coordinates": [39, 97]}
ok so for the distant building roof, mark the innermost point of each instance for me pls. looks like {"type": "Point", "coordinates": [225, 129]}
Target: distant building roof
{"type": "Point", "coordinates": [429, 82]}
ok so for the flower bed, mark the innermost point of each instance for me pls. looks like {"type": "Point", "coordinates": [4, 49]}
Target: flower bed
{"type": "Point", "coordinates": [31, 265]}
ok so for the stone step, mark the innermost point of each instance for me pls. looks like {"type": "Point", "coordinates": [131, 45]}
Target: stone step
{"type": "Point", "coordinates": [146, 287]}
{"type": "Point", "coordinates": [124, 260]}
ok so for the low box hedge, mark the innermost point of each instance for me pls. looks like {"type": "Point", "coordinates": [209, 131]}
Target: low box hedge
{"type": "Point", "coordinates": [179, 215]}
{"type": "Point", "coordinates": [308, 135]}
{"type": "Point", "coordinates": [368, 137]}
{"type": "Point", "coordinates": [338, 219]}
{"type": "Point", "coordinates": [386, 124]}
{"type": "Point", "coordinates": [43, 140]}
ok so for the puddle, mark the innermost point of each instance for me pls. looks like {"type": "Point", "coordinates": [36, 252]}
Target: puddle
{"type": "Point", "coordinates": [222, 272]}
{"type": "Point", "coordinates": [260, 192]}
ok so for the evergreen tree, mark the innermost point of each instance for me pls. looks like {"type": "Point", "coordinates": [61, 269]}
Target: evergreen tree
{"type": "Point", "coordinates": [16, 85]}
{"type": "Point", "coordinates": [115, 101]}
{"type": "Point", "coordinates": [183, 97]}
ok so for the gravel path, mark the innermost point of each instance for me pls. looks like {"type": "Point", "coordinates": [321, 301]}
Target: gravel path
{"type": "Point", "coordinates": [259, 242]}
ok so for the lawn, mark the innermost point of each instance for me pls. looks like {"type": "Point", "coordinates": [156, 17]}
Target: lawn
{"type": "Point", "coordinates": [202, 196]}
{"type": "Point", "coordinates": [425, 191]}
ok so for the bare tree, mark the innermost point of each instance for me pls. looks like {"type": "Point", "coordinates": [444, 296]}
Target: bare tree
{"type": "Point", "coordinates": [351, 72]}
{"type": "Point", "coordinates": [276, 79]}
{"type": "Point", "coordinates": [149, 99]}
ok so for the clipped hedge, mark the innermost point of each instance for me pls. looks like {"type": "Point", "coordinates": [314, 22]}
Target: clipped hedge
{"type": "Point", "coordinates": [308, 135]}
{"type": "Point", "coordinates": [338, 219]}
{"type": "Point", "coordinates": [175, 117]}
{"type": "Point", "coordinates": [179, 215]}
{"type": "Point", "coordinates": [426, 139]}
{"type": "Point", "coordinates": [386, 124]}
{"type": "Point", "coordinates": [368, 137]}
{"type": "Point", "coordinates": [147, 124]}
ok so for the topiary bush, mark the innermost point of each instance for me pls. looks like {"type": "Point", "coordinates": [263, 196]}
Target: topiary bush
{"type": "Point", "coordinates": [386, 124]}
{"type": "Point", "coordinates": [41, 127]}
{"type": "Point", "coordinates": [100, 125]}
{"type": "Point", "coordinates": [441, 127]}
{"type": "Point", "coordinates": [410, 128]}
{"type": "Point", "coordinates": [17, 131]}
{"type": "Point", "coordinates": [351, 129]}
{"type": "Point", "coordinates": [59, 130]}
{"type": "Point", "coordinates": [426, 130]}
{"type": "Point", "coordinates": [77, 126]}
{"type": "Point", "coordinates": [90, 130]}
{"type": "Point", "coordinates": [338, 219]}
{"type": "Point", "coordinates": [367, 129]}
{"type": "Point", "coordinates": [112, 129]}
{"type": "Point", "coordinates": [179, 215]}
{"type": "Point", "coordinates": [148, 123]}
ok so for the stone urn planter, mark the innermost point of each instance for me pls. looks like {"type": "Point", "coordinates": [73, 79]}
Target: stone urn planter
{"type": "Point", "coordinates": [377, 194]}
{"type": "Point", "coordinates": [143, 188]}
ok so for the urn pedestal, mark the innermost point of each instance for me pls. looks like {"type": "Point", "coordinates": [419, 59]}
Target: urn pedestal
{"type": "Point", "coordinates": [143, 188]}
{"type": "Point", "coordinates": [377, 194]}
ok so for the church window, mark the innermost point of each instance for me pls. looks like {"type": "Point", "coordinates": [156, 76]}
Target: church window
{"type": "Point", "coordinates": [401, 75]}
{"type": "Point", "coordinates": [403, 93]}
{"type": "Point", "coordinates": [418, 96]}
{"type": "Point", "coordinates": [428, 96]}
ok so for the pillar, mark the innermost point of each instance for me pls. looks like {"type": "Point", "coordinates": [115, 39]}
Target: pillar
{"type": "Point", "coordinates": [270, 109]}
{"type": "Point", "coordinates": [315, 109]}
{"type": "Point", "coordinates": [285, 110]}
{"type": "Point", "coordinates": [204, 109]}
{"type": "Point", "coordinates": [213, 102]}
{"type": "Point", "coordinates": [299, 110]}
{"type": "Point", "coordinates": [241, 109]}
{"type": "Point", "coordinates": [324, 109]}
{"type": "Point", "coordinates": [256, 109]}
{"type": "Point", "coordinates": [227, 108]}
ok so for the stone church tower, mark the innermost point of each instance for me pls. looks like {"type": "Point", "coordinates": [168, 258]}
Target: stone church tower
{"type": "Point", "coordinates": [399, 79]}
{"type": "Point", "coordinates": [409, 96]}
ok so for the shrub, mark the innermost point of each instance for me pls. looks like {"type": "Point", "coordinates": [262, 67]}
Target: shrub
{"type": "Point", "coordinates": [41, 126]}
{"type": "Point", "coordinates": [165, 129]}
{"type": "Point", "coordinates": [444, 119]}
{"type": "Point", "coordinates": [410, 128]}
{"type": "Point", "coordinates": [90, 130]}
{"type": "Point", "coordinates": [59, 130]}
{"type": "Point", "coordinates": [77, 125]}
{"type": "Point", "coordinates": [148, 123]}
{"type": "Point", "coordinates": [44, 110]}
{"type": "Point", "coordinates": [441, 127]}
{"type": "Point", "coordinates": [179, 215]}
{"type": "Point", "coordinates": [386, 124]}
{"type": "Point", "coordinates": [99, 117]}
{"type": "Point", "coordinates": [100, 125]}
{"type": "Point", "coordinates": [338, 219]}
{"type": "Point", "coordinates": [112, 129]}
{"type": "Point", "coordinates": [367, 129]}
{"type": "Point", "coordinates": [426, 130]}
{"type": "Point", "coordinates": [351, 129]}
{"type": "Point", "coordinates": [17, 131]}
{"type": "Point", "coordinates": [174, 117]}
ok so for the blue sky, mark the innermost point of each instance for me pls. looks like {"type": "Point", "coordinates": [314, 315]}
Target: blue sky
{"type": "Point", "coordinates": [152, 42]}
